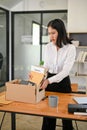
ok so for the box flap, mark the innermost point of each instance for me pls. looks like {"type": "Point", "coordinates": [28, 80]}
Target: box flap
{"type": "Point", "coordinates": [36, 77]}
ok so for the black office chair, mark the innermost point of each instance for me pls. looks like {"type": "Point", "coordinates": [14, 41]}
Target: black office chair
{"type": "Point", "coordinates": [1, 63]}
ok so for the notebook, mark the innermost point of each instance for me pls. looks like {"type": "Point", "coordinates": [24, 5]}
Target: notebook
{"type": "Point", "coordinates": [81, 100]}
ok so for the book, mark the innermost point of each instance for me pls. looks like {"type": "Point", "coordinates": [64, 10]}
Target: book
{"type": "Point", "coordinates": [77, 108]}
{"type": "Point", "coordinates": [81, 100]}
{"type": "Point", "coordinates": [82, 56]}
{"type": "Point", "coordinates": [80, 113]}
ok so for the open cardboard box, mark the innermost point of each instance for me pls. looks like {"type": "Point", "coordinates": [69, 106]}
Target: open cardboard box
{"type": "Point", "coordinates": [16, 90]}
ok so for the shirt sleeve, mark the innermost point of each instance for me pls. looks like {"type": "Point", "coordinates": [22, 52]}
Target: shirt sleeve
{"type": "Point", "coordinates": [69, 61]}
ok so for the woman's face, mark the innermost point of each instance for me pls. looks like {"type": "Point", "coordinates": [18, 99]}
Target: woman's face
{"type": "Point", "coordinates": [53, 34]}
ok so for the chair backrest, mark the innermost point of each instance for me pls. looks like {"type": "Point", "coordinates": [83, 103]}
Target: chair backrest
{"type": "Point", "coordinates": [74, 87]}
{"type": "Point", "coordinates": [1, 60]}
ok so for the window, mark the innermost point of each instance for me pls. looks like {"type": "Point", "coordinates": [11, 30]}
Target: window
{"type": "Point", "coordinates": [35, 33]}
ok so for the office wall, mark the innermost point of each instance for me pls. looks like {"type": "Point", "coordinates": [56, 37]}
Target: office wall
{"type": "Point", "coordinates": [77, 15]}
{"type": "Point", "coordinates": [47, 4]}
{"type": "Point", "coordinates": [41, 5]}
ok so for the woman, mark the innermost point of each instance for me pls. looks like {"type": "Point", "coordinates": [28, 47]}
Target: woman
{"type": "Point", "coordinates": [59, 59]}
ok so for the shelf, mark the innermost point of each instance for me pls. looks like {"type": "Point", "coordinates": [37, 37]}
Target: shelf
{"type": "Point", "coordinates": [81, 47]}
{"type": "Point", "coordinates": [82, 75]}
{"type": "Point", "coordinates": [81, 37]}
{"type": "Point", "coordinates": [80, 62]}
{"type": "Point", "coordinates": [79, 75]}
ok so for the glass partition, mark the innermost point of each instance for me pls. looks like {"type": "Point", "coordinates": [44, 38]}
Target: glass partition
{"type": "Point", "coordinates": [26, 43]}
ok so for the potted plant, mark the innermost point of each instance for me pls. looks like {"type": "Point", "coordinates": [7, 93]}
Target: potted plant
{"type": "Point", "coordinates": [41, 63]}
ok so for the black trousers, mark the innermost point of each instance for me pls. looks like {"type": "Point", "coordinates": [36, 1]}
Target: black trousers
{"type": "Point", "coordinates": [65, 87]}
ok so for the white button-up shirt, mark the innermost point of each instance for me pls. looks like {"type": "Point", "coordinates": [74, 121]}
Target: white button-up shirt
{"type": "Point", "coordinates": [59, 61]}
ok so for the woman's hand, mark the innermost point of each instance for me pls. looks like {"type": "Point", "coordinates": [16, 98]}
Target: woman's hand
{"type": "Point", "coordinates": [45, 83]}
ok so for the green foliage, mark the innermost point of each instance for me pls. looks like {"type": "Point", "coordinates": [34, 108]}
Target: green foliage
{"type": "Point", "coordinates": [41, 62]}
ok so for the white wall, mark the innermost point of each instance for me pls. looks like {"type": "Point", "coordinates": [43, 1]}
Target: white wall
{"type": "Point", "coordinates": [41, 5]}
{"type": "Point", "coordinates": [19, 7]}
{"type": "Point", "coordinates": [48, 4]}
{"type": "Point", "coordinates": [77, 15]}
{"type": "Point", "coordinates": [4, 7]}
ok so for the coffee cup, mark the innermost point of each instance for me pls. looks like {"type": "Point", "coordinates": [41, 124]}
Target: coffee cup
{"type": "Point", "coordinates": [53, 100]}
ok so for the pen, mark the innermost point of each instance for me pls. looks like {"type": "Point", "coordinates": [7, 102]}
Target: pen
{"type": "Point", "coordinates": [45, 97]}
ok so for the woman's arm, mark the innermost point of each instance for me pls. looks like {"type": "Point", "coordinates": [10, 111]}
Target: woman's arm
{"type": "Point", "coordinates": [66, 67]}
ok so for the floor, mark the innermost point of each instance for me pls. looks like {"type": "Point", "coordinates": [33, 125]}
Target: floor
{"type": "Point", "coordinates": [27, 122]}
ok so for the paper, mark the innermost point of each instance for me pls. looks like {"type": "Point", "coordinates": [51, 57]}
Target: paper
{"type": "Point", "coordinates": [81, 100]}
{"type": "Point", "coordinates": [3, 101]}
{"type": "Point", "coordinates": [80, 113]}
{"type": "Point", "coordinates": [38, 69]}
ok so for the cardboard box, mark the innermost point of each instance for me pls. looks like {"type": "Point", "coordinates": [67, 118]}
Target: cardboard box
{"type": "Point", "coordinates": [26, 91]}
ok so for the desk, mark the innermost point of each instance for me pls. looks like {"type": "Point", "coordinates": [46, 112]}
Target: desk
{"type": "Point", "coordinates": [74, 87]}
{"type": "Point", "coordinates": [42, 108]}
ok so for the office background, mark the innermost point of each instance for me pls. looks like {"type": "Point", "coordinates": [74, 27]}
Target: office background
{"type": "Point", "coordinates": [17, 39]}
{"type": "Point", "coordinates": [17, 17]}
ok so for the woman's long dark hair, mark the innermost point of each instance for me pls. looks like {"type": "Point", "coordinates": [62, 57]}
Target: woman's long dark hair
{"type": "Point", "coordinates": [62, 35]}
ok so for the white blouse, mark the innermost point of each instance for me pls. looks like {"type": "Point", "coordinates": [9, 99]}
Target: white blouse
{"type": "Point", "coordinates": [59, 61]}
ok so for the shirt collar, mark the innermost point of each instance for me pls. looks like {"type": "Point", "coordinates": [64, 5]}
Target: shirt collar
{"type": "Point", "coordinates": [55, 45]}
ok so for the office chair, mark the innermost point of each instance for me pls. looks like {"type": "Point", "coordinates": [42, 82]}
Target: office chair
{"type": "Point", "coordinates": [1, 62]}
